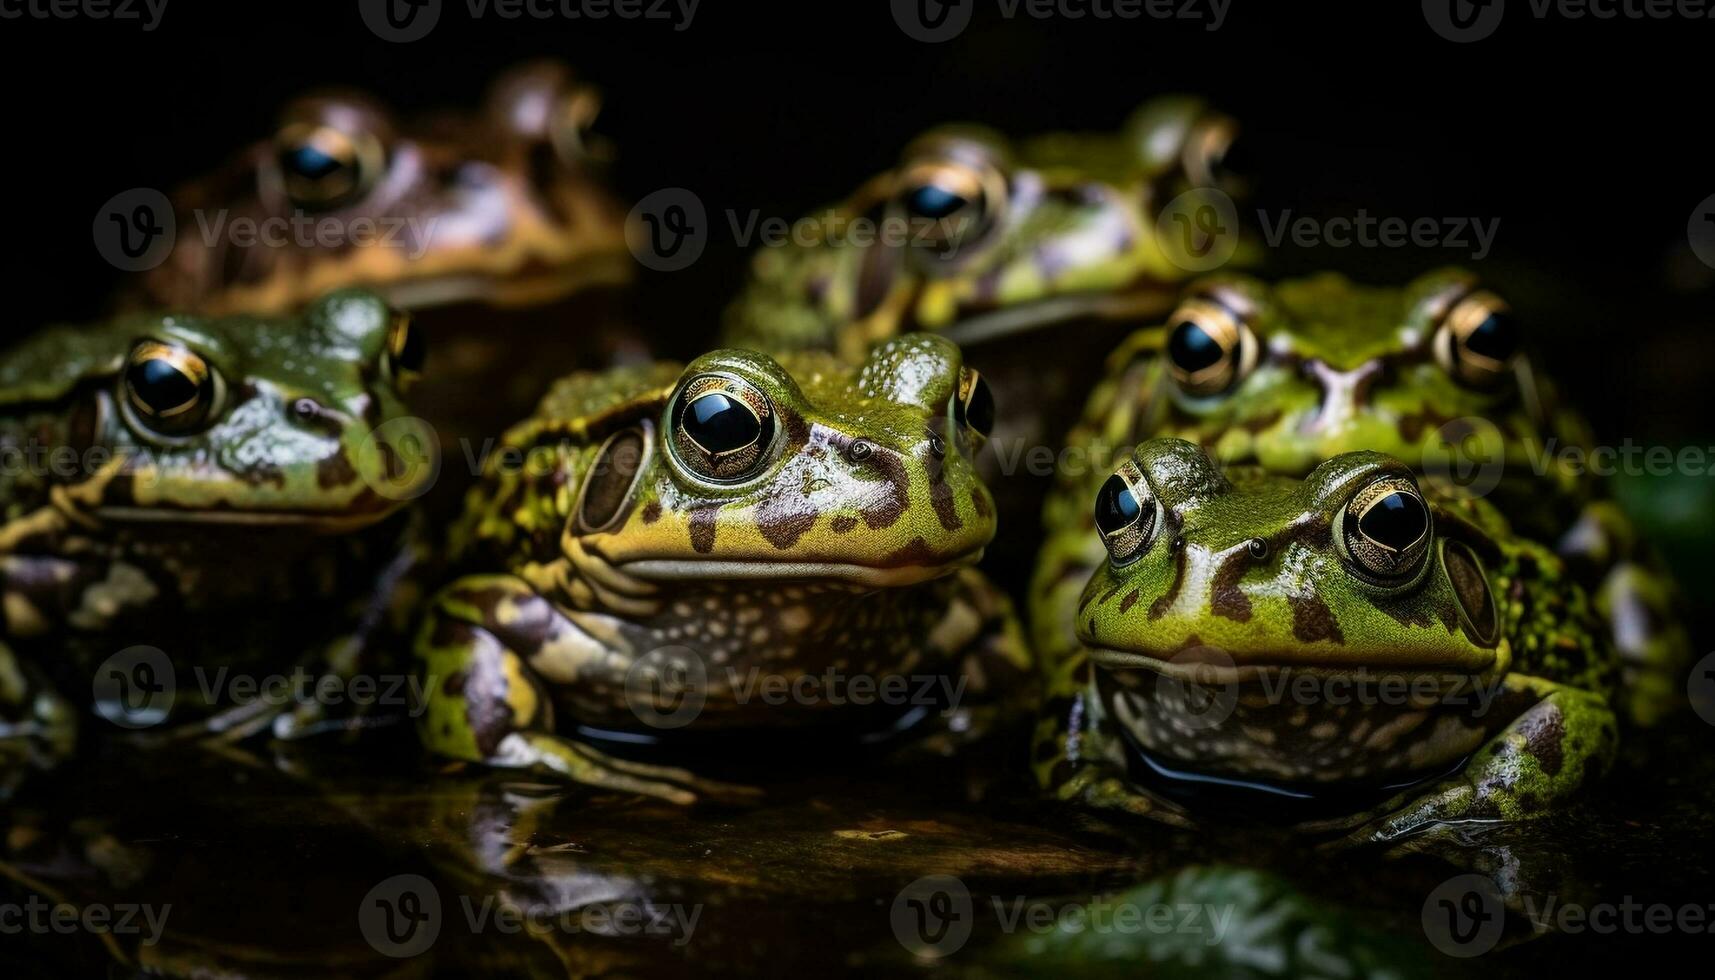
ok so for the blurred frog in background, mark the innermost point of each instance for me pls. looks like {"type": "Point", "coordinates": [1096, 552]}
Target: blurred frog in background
{"type": "Point", "coordinates": [494, 228]}
{"type": "Point", "coordinates": [1036, 256]}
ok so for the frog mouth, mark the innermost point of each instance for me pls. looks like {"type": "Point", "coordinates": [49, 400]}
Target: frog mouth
{"type": "Point", "coordinates": [320, 522]}
{"type": "Point", "coordinates": [1210, 666]}
{"type": "Point", "coordinates": [850, 573]}
{"type": "Point", "coordinates": [1141, 301]}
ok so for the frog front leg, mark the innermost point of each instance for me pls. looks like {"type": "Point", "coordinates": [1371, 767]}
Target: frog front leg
{"type": "Point", "coordinates": [980, 632]}
{"type": "Point", "coordinates": [1564, 737]}
{"type": "Point", "coordinates": [486, 701]}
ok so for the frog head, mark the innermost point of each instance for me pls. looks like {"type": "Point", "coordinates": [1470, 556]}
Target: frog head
{"type": "Point", "coordinates": [1232, 578]}
{"type": "Point", "coordinates": [980, 237]}
{"type": "Point", "coordinates": [498, 207]}
{"type": "Point", "coordinates": [234, 420]}
{"type": "Point", "coordinates": [1290, 375]}
{"type": "Point", "coordinates": [798, 468]}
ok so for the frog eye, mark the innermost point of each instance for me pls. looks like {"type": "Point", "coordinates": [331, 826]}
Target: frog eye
{"type": "Point", "coordinates": [323, 166]}
{"type": "Point", "coordinates": [1126, 514]}
{"type": "Point", "coordinates": [1208, 348]}
{"type": "Point", "coordinates": [723, 428]}
{"type": "Point", "coordinates": [170, 390]}
{"type": "Point", "coordinates": [1385, 530]}
{"type": "Point", "coordinates": [950, 201]}
{"type": "Point", "coordinates": [1478, 340]}
{"type": "Point", "coordinates": [406, 350]}
{"type": "Point", "coordinates": [973, 404]}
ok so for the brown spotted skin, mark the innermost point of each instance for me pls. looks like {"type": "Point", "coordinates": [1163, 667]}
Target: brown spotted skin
{"type": "Point", "coordinates": [1486, 644]}
{"type": "Point", "coordinates": [205, 541]}
{"type": "Point", "coordinates": [1341, 367]}
{"type": "Point", "coordinates": [844, 549]}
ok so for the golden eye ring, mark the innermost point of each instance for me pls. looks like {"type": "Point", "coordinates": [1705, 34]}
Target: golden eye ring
{"type": "Point", "coordinates": [1385, 530]}
{"type": "Point", "coordinates": [168, 390]}
{"type": "Point", "coordinates": [1208, 348]}
{"type": "Point", "coordinates": [724, 428]}
{"type": "Point", "coordinates": [322, 166]}
{"type": "Point", "coordinates": [952, 197]}
{"type": "Point", "coordinates": [1126, 514]}
{"type": "Point", "coordinates": [406, 350]}
{"type": "Point", "coordinates": [1478, 341]}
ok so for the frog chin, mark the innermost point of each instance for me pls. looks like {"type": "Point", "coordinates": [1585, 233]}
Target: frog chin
{"type": "Point", "coordinates": [841, 573]}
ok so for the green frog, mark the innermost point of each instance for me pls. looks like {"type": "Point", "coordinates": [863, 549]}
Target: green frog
{"type": "Point", "coordinates": [192, 484]}
{"type": "Point", "coordinates": [494, 228]}
{"type": "Point", "coordinates": [1340, 635]}
{"type": "Point", "coordinates": [1036, 256]}
{"type": "Point", "coordinates": [1435, 373]}
{"type": "Point", "coordinates": [657, 536]}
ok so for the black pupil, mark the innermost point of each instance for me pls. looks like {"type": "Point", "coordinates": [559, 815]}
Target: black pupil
{"type": "Point", "coordinates": [720, 423]}
{"type": "Point", "coordinates": [934, 202]}
{"type": "Point", "coordinates": [310, 163]}
{"type": "Point", "coordinates": [1496, 338]}
{"type": "Point", "coordinates": [1396, 521]}
{"type": "Point", "coordinates": [1116, 505]}
{"type": "Point", "coordinates": [978, 410]}
{"type": "Point", "coordinates": [161, 385]}
{"type": "Point", "coordinates": [1192, 349]}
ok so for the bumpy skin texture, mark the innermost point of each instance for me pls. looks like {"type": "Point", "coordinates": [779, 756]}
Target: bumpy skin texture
{"type": "Point", "coordinates": [1507, 667]}
{"type": "Point", "coordinates": [1340, 367]}
{"type": "Point", "coordinates": [1068, 231]}
{"type": "Point", "coordinates": [499, 206]}
{"type": "Point", "coordinates": [596, 546]}
{"type": "Point", "coordinates": [116, 534]}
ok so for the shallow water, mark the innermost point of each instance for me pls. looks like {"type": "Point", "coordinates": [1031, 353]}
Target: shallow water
{"type": "Point", "coordinates": [284, 865]}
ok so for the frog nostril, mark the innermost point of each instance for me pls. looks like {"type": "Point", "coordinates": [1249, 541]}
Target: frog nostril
{"type": "Point", "coordinates": [306, 409]}
{"type": "Point", "coordinates": [937, 446]}
{"type": "Point", "coordinates": [860, 450]}
{"type": "Point", "coordinates": [1258, 548]}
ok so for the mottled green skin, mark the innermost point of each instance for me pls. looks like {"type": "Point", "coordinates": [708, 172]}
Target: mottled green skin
{"type": "Point", "coordinates": [1344, 367]}
{"type": "Point", "coordinates": [1077, 239]}
{"type": "Point", "coordinates": [1524, 712]}
{"type": "Point", "coordinates": [821, 561]}
{"type": "Point", "coordinates": [122, 536]}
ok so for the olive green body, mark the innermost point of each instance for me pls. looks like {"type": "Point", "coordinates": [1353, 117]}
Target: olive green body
{"type": "Point", "coordinates": [201, 527]}
{"type": "Point", "coordinates": [1250, 638]}
{"type": "Point", "coordinates": [614, 581]}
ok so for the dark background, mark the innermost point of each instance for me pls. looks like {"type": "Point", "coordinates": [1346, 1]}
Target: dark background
{"type": "Point", "coordinates": [1580, 136]}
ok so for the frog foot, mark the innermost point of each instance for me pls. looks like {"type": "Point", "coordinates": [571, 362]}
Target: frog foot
{"type": "Point", "coordinates": [581, 763]}
{"type": "Point", "coordinates": [1539, 759]}
{"type": "Point", "coordinates": [1102, 790]}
